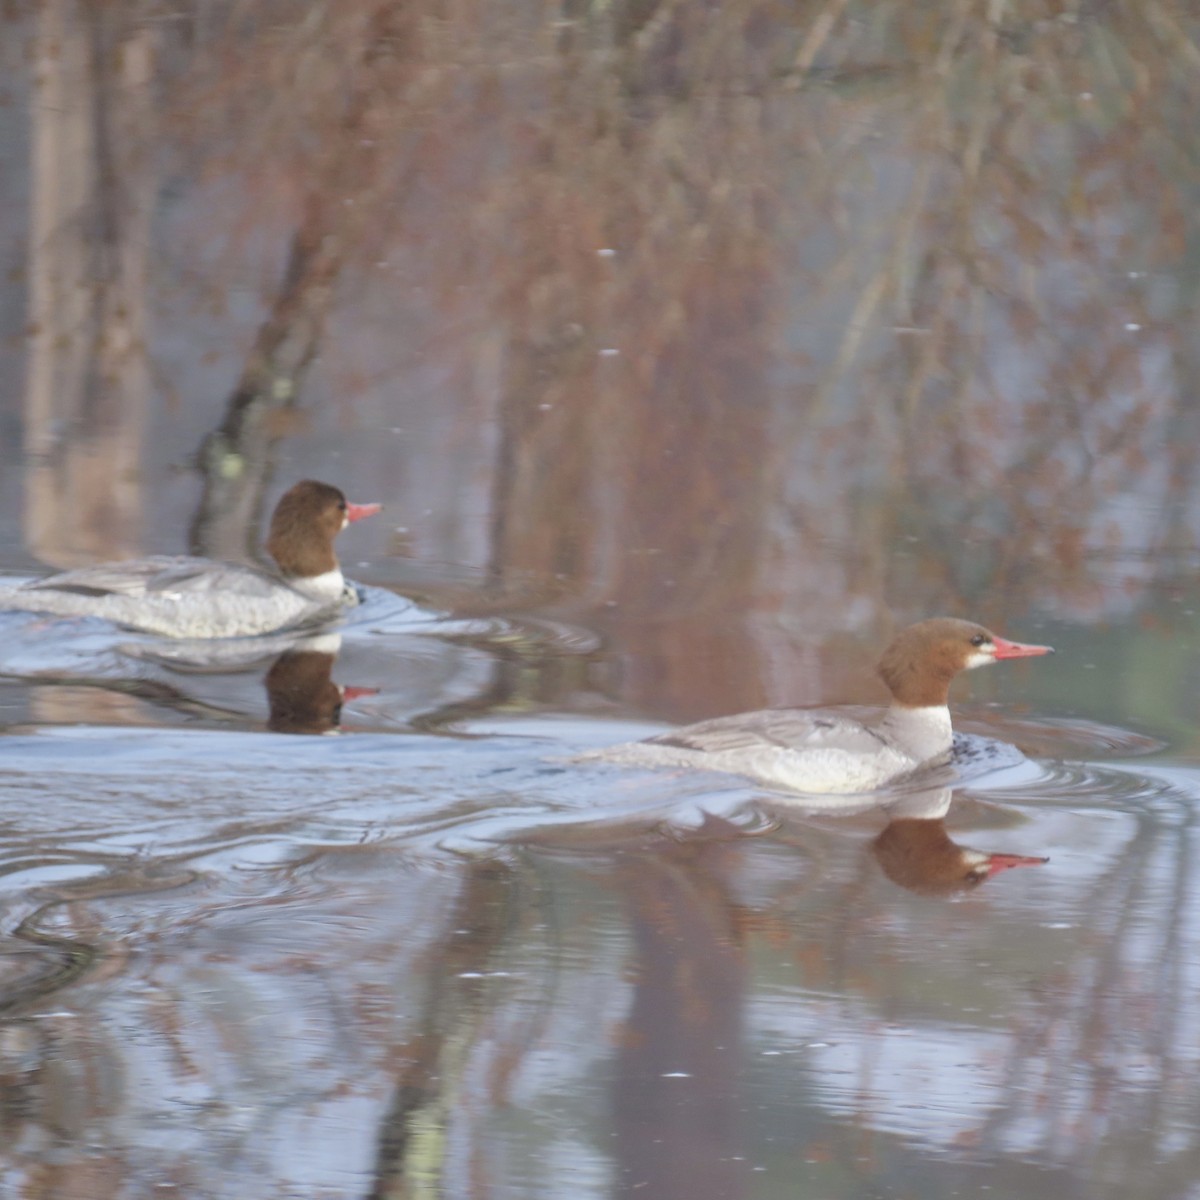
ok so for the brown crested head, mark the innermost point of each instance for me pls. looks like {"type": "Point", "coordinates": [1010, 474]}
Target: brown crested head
{"type": "Point", "coordinates": [305, 521]}
{"type": "Point", "coordinates": [921, 662]}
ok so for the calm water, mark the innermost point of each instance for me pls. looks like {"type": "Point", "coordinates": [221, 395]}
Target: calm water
{"type": "Point", "coordinates": [691, 354]}
{"type": "Point", "coordinates": [238, 961]}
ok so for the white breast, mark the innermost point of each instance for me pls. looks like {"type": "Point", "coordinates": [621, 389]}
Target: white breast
{"type": "Point", "coordinates": [328, 587]}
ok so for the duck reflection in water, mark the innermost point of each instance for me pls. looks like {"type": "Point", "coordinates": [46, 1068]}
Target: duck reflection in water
{"type": "Point", "coordinates": [301, 692]}
{"type": "Point", "coordinates": [915, 851]}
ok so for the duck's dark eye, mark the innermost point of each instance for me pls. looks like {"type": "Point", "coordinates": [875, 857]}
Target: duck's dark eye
{"type": "Point", "coordinates": [341, 506]}
{"type": "Point", "coordinates": [979, 639]}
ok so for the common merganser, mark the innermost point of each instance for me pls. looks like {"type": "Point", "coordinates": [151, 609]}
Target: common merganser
{"type": "Point", "coordinates": [188, 597]}
{"type": "Point", "coordinates": [814, 750]}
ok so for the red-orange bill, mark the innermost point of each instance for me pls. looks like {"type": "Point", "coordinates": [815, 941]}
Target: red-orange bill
{"type": "Point", "coordinates": [1007, 649]}
{"type": "Point", "coordinates": [356, 512]}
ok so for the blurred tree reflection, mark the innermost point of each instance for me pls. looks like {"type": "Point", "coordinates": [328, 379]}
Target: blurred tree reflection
{"type": "Point", "coordinates": [92, 187]}
{"type": "Point", "coordinates": [729, 322]}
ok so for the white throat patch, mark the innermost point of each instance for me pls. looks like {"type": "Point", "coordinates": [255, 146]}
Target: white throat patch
{"type": "Point", "coordinates": [326, 587]}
